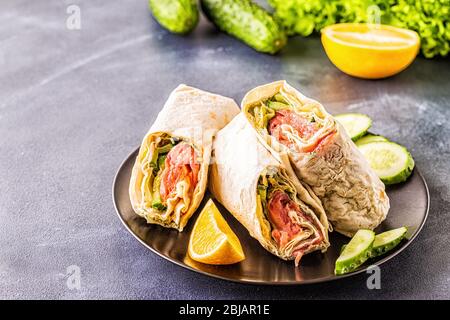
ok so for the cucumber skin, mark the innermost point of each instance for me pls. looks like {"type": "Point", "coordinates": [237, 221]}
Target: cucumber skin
{"type": "Point", "coordinates": [239, 18]}
{"type": "Point", "coordinates": [383, 249]}
{"type": "Point", "coordinates": [404, 174]}
{"type": "Point", "coordinates": [361, 134]}
{"type": "Point", "coordinates": [177, 16]}
{"type": "Point", "coordinates": [344, 267]}
{"type": "Point", "coordinates": [380, 250]}
{"type": "Point", "coordinates": [370, 137]}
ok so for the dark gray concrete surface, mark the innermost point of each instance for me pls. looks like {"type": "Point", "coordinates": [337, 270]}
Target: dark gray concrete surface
{"type": "Point", "coordinates": [74, 104]}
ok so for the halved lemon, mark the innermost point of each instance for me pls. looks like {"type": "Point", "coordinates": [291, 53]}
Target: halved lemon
{"type": "Point", "coordinates": [212, 241]}
{"type": "Point", "coordinates": [370, 51]}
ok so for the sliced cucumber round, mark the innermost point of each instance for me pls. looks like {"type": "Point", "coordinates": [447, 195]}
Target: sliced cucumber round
{"type": "Point", "coordinates": [387, 241]}
{"type": "Point", "coordinates": [368, 138]}
{"type": "Point", "coordinates": [355, 124]}
{"type": "Point", "coordinates": [392, 162]}
{"type": "Point", "coordinates": [356, 252]}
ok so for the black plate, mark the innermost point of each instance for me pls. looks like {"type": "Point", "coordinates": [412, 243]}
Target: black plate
{"type": "Point", "coordinates": [409, 207]}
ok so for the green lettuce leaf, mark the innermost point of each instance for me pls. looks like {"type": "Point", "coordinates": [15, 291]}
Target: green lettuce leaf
{"type": "Point", "coordinates": [429, 18]}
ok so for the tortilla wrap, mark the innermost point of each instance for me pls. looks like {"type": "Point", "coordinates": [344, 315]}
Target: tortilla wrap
{"type": "Point", "coordinates": [322, 155]}
{"type": "Point", "coordinates": [239, 162]}
{"type": "Point", "coordinates": [188, 121]}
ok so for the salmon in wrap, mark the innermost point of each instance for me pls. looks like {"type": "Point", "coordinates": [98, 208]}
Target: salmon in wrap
{"type": "Point", "coordinates": [170, 174]}
{"type": "Point", "coordinates": [321, 153]}
{"type": "Point", "coordinates": [264, 195]}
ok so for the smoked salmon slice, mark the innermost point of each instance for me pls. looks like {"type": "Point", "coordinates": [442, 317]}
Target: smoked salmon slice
{"type": "Point", "coordinates": [181, 164]}
{"type": "Point", "coordinates": [284, 229]}
{"type": "Point", "coordinates": [302, 127]}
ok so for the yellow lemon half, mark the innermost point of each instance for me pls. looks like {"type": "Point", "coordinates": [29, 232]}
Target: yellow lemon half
{"type": "Point", "coordinates": [370, 51]}
{"type": "Point", "coordinates": [212, 241]}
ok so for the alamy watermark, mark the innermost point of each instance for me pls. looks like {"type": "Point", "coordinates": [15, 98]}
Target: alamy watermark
{"type": "Point", "coordinates": [73, 21]}
{"type": "Point", "coordinates": [374, 280]}
{"type": "Point", "coordinates": [374, 14]}
{"type": "Point", "coordinates": [73, 274]}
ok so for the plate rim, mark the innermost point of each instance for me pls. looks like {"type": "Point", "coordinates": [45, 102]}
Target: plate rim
{"type": "Point", "coordinates": [272, 283]}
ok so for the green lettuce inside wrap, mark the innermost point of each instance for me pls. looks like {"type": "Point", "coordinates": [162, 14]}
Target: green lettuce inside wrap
{"type": "Point", "coordinates": [156, 169]}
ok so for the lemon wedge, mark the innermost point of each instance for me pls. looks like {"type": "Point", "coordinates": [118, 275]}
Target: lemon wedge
{"type": "Point", "coordinates": [212, 241]}
{"type": "Point", "coordinates": [370, 51]}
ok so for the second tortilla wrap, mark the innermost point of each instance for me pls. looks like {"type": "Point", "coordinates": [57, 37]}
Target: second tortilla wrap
{"type": "Point", "coordinates": [322, 154]}
{"type": "Point", "coordinates": [239, 165]}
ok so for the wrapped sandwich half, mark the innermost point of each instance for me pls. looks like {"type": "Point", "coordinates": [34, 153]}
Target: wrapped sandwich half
{"type": "Point", "coordinates": [264, 195]}
{"type": "Point", "coordinates": [321, 153]}
{"type": "Point", "coordinates": [170, 174]}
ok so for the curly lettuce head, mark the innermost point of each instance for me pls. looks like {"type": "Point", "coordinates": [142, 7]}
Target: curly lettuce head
{"type": "Point", "coordinates": [429, 18]}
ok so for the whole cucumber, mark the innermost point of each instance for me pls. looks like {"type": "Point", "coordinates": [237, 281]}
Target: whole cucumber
{"type": "Point", "coordinates": [177, 16]}
{"type": "Point", "coordinates": [248, 22]}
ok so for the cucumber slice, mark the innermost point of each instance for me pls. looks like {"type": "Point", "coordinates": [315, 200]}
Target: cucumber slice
{"type": "Point", "coordinates": [368, 138]}
{"type": "Point", "coordinates": [387, 241]}
{"type": "Point", "coordinates": [356, 252]}
{"type": "Point", "coordinates": [355, 124]}
{"type": "Point", "coordinates": [391, 161]}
